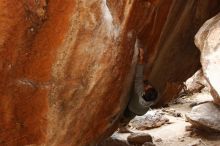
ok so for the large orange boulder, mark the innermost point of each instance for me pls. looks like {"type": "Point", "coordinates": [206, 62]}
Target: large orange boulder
{"type": "Point", "coordinates": [65, 69]}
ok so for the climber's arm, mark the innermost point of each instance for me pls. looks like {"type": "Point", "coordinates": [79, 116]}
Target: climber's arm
{"type": "Point", "coordinates": [139, 76]}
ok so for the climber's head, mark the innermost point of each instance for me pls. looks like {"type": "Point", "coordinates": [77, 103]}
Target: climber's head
{"type": "Point", "coordinates": [150, 92]}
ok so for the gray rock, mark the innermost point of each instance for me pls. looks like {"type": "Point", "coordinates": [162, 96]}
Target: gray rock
{"type": "Point", "coordinates": [152, 119]}
{"type": "Point", "coordinates": [205, 116]}
{"type": "Point", "coordinates": [139, 138]}
{"type": "Point", "coordinates": [113, 141]}
{"type": "Point", "coordinates": [208, 41]}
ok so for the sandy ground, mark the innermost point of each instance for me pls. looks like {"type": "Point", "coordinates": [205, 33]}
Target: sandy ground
{"type": "Point", "coordinates": [174, 133]}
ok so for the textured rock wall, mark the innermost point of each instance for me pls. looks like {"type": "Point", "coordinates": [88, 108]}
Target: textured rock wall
{"type": "Point", "coordinates": [208, 41]}
{"type": "Point", "coordinates": [66, 66]}
{"type": "Point", "coordinates": [63, 66]}
{"type": "Point", "coordinates": [171, 55]}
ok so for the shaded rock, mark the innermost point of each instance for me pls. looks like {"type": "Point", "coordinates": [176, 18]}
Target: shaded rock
{"type": "Point", "coordinates": [208, 41]}
{"type": "Point", "coordinates": [139, 138]}
{"type": "Point", "coordinates": [114, 141]}
{"type": "Point", "coordinates": [194, 84]}
{"type": "Point", "coordinates": [148, 144]}
{"type": "Point", "coordinates": [205, 116]}
{"type": "Point", "coordinates": [152, 119]}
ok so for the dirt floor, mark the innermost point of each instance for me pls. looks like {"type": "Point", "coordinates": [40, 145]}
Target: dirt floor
{"type": "Point", "coordinates": [174, 132]}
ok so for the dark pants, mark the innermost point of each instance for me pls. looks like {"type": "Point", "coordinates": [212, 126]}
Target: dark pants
{"type": "Point", "coordinates": [127, 117]}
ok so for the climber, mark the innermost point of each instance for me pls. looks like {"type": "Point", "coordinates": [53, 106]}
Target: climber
{"type": "Point", "coordinates": [143, 95]}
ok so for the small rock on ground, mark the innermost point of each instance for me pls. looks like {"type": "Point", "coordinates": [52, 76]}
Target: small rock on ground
{"type": "Point", "coordinates": [205, 116]}
{"type": "Point", "coordinates": [114, 142]}
{"type": "Point", "coordinates": [139, 138]}
{"type": "Point", "coordinates": [152, 119]}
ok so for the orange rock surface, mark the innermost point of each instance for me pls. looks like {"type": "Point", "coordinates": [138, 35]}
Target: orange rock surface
{"type": "Point", "coordinates": [66, 67]}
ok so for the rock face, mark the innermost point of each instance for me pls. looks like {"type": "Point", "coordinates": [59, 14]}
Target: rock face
{"type": "Point", "coordinates": [139, 138]}
{"type": "Point", "coordinates": [205, 116]}
{"type": "Point", "coordinates": [67, 66]}
{"type": "Point", "coordinates": [208, 41]}
{"type": "Point", "coordinates": [64, 65]}
{"type": "Point", "coordinates": [171, 55]}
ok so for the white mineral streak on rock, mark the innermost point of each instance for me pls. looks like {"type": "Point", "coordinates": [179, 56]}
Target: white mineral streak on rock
{"type": "Point", "coordinates": [108, 20]}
